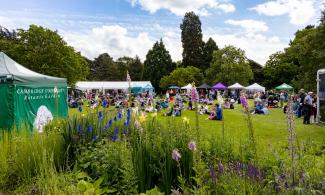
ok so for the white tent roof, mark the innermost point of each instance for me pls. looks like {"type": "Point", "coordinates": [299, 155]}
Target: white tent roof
{"type": "Point", "coordinates": [87, 85]}
{"type": "Point", "coordinates": [188, 86]}
{"type": "Point", "coordinates": [255, 87]}
{"type": "Point", "coordinates": [236, 86]}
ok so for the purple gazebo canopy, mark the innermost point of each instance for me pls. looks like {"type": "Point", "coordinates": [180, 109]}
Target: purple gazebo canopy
{"type": "Point", "coordinates": [219, 86]}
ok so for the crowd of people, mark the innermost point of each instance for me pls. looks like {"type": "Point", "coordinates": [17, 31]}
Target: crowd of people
{"type": "Point", "coordinates": [210, 103]}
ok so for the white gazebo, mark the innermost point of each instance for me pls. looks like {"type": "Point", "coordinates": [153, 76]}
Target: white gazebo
{"type": "Point", "coordinates": [236, 86]}
{"type": "Point", "coordinates": [255, 87]}
{"type": "Point", "coordinates": [187, 87]}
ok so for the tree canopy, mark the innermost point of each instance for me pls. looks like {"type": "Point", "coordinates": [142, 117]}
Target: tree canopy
{"type": "Point", "coordinates": [192, 41]}
{"type": "Point", "coordinates": [182, 76]}
{"type": "Point", "coordinates": [157, 64]}
{"type": "Point", "coordinates": [44, 51]}
{"type": "Point", "coordinates": [229, 65]}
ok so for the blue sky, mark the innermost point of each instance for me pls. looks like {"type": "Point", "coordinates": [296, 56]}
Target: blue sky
{"type": "Point", "coordinates": [130, 27]}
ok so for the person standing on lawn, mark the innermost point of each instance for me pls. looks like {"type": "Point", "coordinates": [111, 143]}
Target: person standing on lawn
{"type": "Point", "coordinates": [308, 102]}
{"type": "Point", "coordinates": [301, 101]}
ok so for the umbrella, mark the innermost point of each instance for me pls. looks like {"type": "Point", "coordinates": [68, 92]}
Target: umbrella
{"type": "Point", "coordinates": [173, 87]}
{"type": "Point", "coordinates": [236, 86]}
{"type": "Point", "coordinates": [284, 86]}
{"type": "Point", "coordinates": [219, 86]}
{"type": "Point", "coordinates": [204, 86]}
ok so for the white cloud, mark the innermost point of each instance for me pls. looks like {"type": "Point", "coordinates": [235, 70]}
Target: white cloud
{"type": "Point", "coordinates": [116, 41]}
{"type": "Point", "coordinates": [180, 7]}
{"type": "Point", "coordinates": [300, 12]}
{"type": "Point", "coordinates": [257, 46]}
{"type": "Point", "coordinates": [249, 25]}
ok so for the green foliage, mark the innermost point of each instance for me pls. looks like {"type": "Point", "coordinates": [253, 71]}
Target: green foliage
{"type": "Point", "coordinates": [299, 63]}
{"type": "Point", "coordinates": [209, 47]}
{"type": "Point", "coordinates": [133, 65]}
{"type": "Point", "coordinates": [25, 155]}
{"type": "Point", "coordinates": [44, 51]}
{"type": "Point", "coordinates": [229, 65]}
{"type": "Point", "coordinates": [192, 41]}
{"type": "Point", "coordinates": [158, 63]}
{"type": "Point", "coordinates": [103, 68]}
{"type": "Point", "coordinates": [182, 76]}
{"type": "Point", "coordinates": [97, 159]}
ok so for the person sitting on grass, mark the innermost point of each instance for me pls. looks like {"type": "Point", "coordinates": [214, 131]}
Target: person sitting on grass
{"type": "Point", "coordinates": [226, 105]}
{"type": "Point", "coordinates": [204, 109]}
{"type": "Point", "coordinates": [150, 108]}
{"type": "Point", "coordinates": [212, 114]}
{"type": "Point", "coordinates": [219, 115]}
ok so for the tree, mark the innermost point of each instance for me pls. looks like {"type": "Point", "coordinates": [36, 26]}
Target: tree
{"type": "Point", "coordinates": [258, 75]}
{"type": "Point", "coordinates": [209, 47]}
{"type": "Point", "coordinates": [103, 68]}
{"type": "Point", "coordinates": [44, 51]}
{"type": "Point", "coordinates": [136, 69]}
{"type": "Point", "coordinates": [182, 76]}
{"type": "Point", "coordinates": [279, 69]}
{"type": "Point", "coordinates": [192, 41]}
{"type": "Point", "coordinates": [229, 65]}
{"type": "Point", "coordinates": [156, 63]}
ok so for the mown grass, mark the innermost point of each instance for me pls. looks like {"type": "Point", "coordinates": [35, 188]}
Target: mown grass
{"type": "Point", "coordinates": [270, 130]}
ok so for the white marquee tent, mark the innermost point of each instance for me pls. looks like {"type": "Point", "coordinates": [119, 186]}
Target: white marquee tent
{"type": "Point", "coordinates": [236, 86]}
{"type": "Point", "coordinates": [255, 87]}
{"type": "Point", "coordinates": [188, 86]}
{"type": "Point", "coordinates": [104, 85]}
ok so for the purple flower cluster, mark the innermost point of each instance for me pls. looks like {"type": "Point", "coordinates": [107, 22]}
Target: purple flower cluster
{"type": "Point", "coordinates": [176, 155]}
{"type": "Point", "coordinates": [192, 146]}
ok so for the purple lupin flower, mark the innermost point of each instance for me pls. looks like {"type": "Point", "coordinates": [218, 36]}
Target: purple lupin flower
{"type": "Point", "coordinates": [80, 109]}
{"type": "Point", "coordinates": [192, 146]}
{"type": "Point", "coordinates": [95, 138]}
{"type": "Point", "coordinates": [221, 168]}
{"type": "Point", "coordinates": [194, 94]}
{"type": "Point", "coordinates": [110, 123]}
{"type": "Point", "coordinates": [105, 128]}
{"type": "Point", "coordinates": [213, 174]}
{"type": "Point", "coordinates": [114, 137]}
{"type": "Point", "coordinates": [89, 129]}
{"type": "Point", "coordinates": [252, 171]}
{"type": "Point", "coordinates": [115, 118]}
{"type": "Point", "coordinates": [116, 131]}
{"type": "Point", "coordinates": [239, 167]}
{"type": "Point", "coordinates": [120, 115]}
{"type": "Point", "coordinates": [129, 113]}
{"type": "Point", "coordinates": [176, 155]}
{"type": "Point", "coordinates": [100, 115]}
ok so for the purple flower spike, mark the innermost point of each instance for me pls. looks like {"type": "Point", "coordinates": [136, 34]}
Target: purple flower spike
{"type": "Point", "coordinates": [194, 94]}
{"type": "Point", "coordinates": [110, 123]}
{"type": "Point", "coordinates": [213, 174]}
{"type": "Point", "coordinates": [89, 129]}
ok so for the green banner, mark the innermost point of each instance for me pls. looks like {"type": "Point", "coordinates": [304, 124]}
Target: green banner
{"type": "Point", "coordinates": [6, 106]}
{"type": "Point", "coordinates": [38, 105]}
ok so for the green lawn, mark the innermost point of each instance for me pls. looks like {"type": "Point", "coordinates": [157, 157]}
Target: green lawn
{"type": "Point", "coordinates": [269, 129]}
